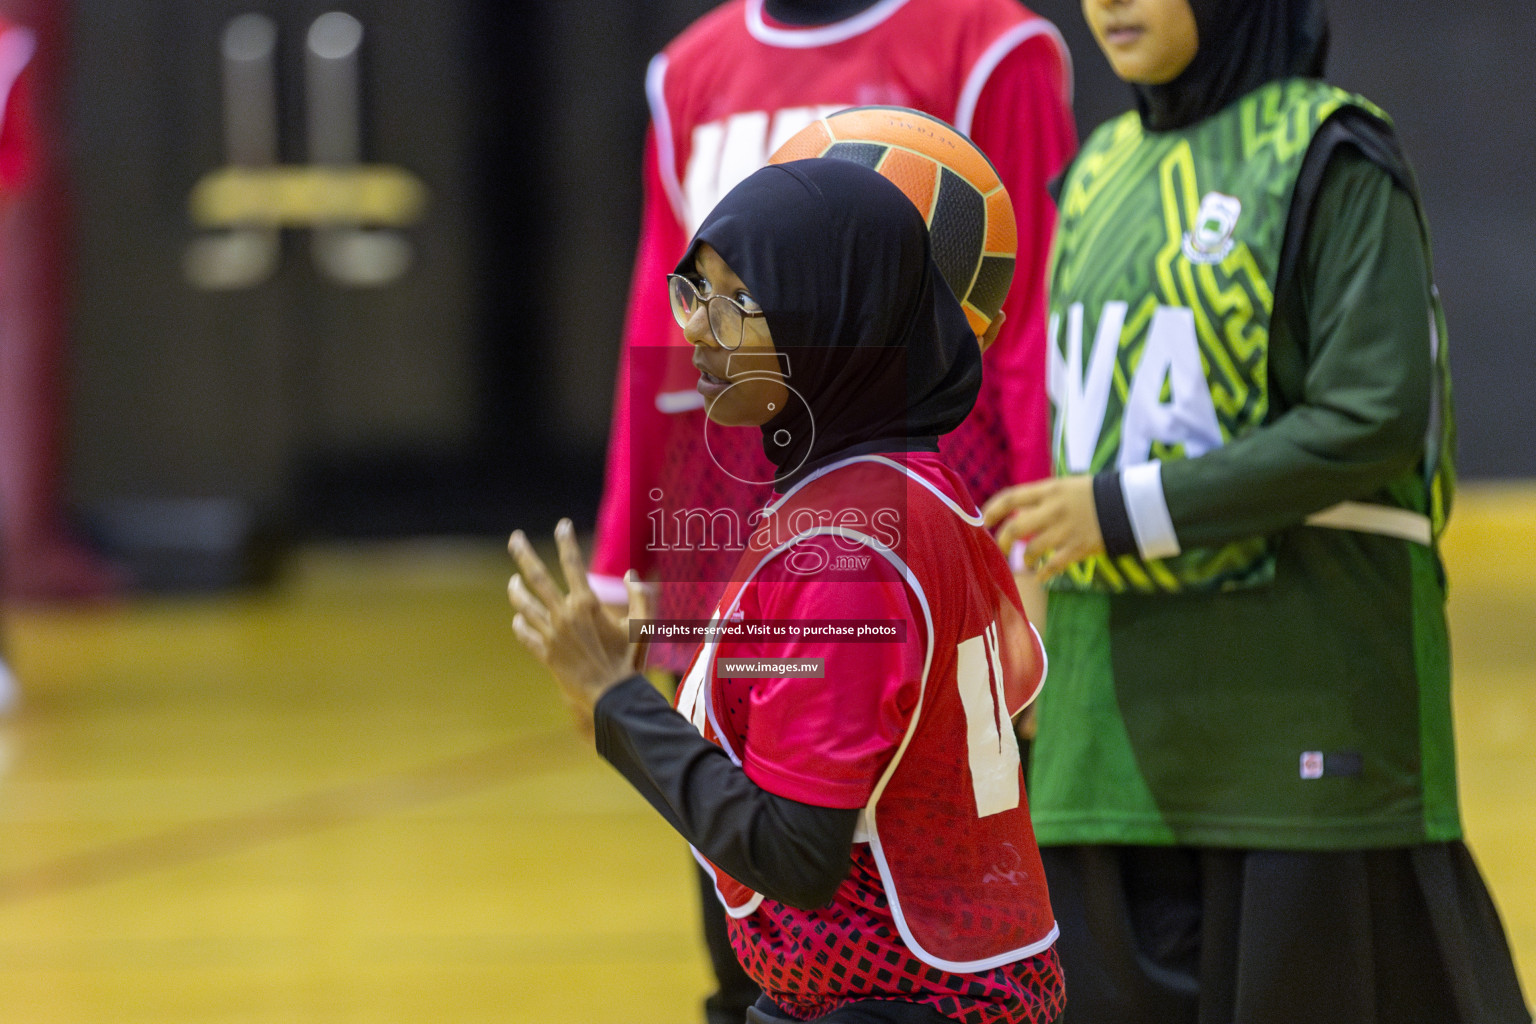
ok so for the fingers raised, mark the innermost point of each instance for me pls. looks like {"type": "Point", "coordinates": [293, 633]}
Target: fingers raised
{"type": "Point", "coordinates": [639, 597]}
{"type": "Point", "coordinates": [533, 570]}
{"type": "Point", "coordinates": [639, 608]}
{"type": "Point", "coordinates": [530, 637]}
{"type": "Point", "coordinates": [527, 605]}
{"type": "Point", "coordinates": [571, 562]}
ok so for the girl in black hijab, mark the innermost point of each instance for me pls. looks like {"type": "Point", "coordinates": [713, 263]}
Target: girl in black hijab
{"type": "Point", "coordinates": [879, 353]}
{"type": "Point", "coordinates": [1243, 777]}
{"type": "Point", "coordinates": [841, 757]}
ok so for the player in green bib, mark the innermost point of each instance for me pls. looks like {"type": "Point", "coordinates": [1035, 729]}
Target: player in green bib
{"type": "Point", "coordinates": [1244, 778]}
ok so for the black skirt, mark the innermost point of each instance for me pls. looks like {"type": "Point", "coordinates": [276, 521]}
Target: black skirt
{"type": "Point", "coordinates": [1178, 935]}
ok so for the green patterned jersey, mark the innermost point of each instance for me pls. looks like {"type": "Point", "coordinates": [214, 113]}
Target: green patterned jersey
{"type": "Point", "coordinates": [1277, 682]}
{"type": "Point", "coordinates": [1159, 325]}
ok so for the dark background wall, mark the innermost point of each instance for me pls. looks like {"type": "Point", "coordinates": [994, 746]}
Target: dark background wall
{"type": "Point", "coordinates": [472, 393]}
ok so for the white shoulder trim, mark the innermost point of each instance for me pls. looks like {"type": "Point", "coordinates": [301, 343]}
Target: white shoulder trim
{"type": "Point", "coordinates": [820, 35]}
{"type": "Point", "coordinates": [1045, 668]}
{"type": "Point", "coordinates": [661, 121]}
{"type": "Point", "coordinates": [973, 517]}
{"type": "Point", "coordinates": [608, 589]}
{"type": "Point", "coordinates": [724, 613]}
{"type": "Point", "coordinates": [17, 45]}
{"type": "Point", "coordinates": [823, 471]}
{"type": "Point", "coordinates": [1142, 487]}
{"type": "Point", "coordinates": [1005, 44]}
{"type": "Point", "coordinates": [671, 402]}
{"type": "Point", "coordinates": [709, 869]}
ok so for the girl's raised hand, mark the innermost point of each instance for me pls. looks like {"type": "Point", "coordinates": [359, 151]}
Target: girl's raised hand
{"type": "Point", "coordinates": [578, 640]}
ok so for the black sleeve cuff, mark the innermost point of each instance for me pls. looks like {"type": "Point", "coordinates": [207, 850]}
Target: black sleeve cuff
{"type": "Point", "coordinates": [791, 852]}
{"type": "Point", "coordinates": [634, 687]}
{"type": "Point", "coordinates": [1114, 520]}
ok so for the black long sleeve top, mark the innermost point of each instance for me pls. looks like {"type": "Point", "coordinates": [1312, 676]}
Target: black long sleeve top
{"type": "Point", "coordinates": [791, 852]}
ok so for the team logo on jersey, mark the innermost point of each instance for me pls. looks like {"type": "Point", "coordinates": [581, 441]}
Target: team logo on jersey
{"type": "Point", "coordinates": [1211, 239]}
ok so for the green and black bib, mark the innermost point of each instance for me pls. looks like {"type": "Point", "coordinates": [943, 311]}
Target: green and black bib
{"type": "Point", "coordinates": [1159, 333]}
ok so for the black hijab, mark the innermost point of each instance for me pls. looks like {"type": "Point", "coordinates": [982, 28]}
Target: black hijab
{"type": "Point", "coordinates": [1242, 45]}
{"type": "Point", "coordinates": [877, 345]}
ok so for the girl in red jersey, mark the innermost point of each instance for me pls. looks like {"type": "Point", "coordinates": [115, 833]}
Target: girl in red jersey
{"type": "Point", "coordinates": [722, 96]}
{"type": "Point", "coordinates": [859, 801]}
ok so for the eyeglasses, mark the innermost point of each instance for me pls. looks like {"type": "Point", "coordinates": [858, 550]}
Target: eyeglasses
{"type": "Point", "coordinates": [727, 317]}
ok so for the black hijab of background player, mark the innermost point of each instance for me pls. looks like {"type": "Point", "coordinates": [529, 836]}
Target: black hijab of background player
{"type": "Point", "coordinates": [1242, 45]}
{"type": "Point", "coordinates": [877, 345]}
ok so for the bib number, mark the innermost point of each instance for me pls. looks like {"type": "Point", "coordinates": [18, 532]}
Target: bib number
{"type": "Point", "coordinates": [992, 749]}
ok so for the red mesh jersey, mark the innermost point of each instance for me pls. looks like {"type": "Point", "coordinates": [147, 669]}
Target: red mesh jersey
{"type": "Point", "coordinates": [916, 733]}
{"type": "Point", "coordinates": [813, 962]}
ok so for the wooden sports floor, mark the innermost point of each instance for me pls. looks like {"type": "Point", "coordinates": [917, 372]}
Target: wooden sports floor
{"type": "Point", "coordinates": [352, 798]}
